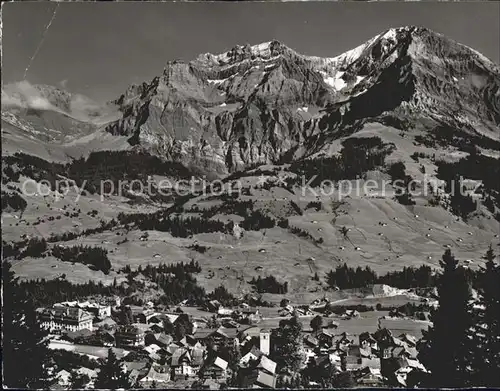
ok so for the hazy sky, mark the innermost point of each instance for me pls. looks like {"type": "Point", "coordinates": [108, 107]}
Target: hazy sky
{"type": "Point", "coordinates": [98, 49]}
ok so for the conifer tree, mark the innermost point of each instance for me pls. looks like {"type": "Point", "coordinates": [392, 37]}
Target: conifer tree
{"type": "Point", "coordinates": [78, 381]}
{"type": "Point", "coordinates": [316, 323]}
{"type": "Point", "coordinates": [286, 339]}
{"type": "Point", "coordinates": [445, 344]}
{"type": "Point", "coordinates": [111, 375]}
{"type": "Point", "coordinates": [487, 363]}
{"type": "Point", "coordinates": [25, 352]}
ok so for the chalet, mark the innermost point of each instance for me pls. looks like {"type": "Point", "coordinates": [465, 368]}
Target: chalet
{"type": "Point", "coordinates": [349, 314]}
{"type": "Point", "coordinates": [267, 365]}
{"type": "Point", "coordinates": [141, 314]}
{"type": "Point", "coordinates": [358, 357]}
{"type": "Point", "coordinates": [202, 334]}
{"type": "Point", "coordinates": [188, 341]}
{"type": "Point", "coordinates": [65, 318]}
{"type": "Point", "coordinates": [259, 373]}
{"type": "Point", "coordinates": [216, 369]}
{"type": "Point", "coordinates": [225, 311]}
{"type": "Point", "coordinates": [155, 352]}
{"type": "Point", "coordinates": [198, 355]}
{"type": "Point", "coordinates": [213, 305]}
{"type": "Point", "coordinates": [210, 384]}
{"type": "Point", "coordinates": [199, 323]}
{"type": "Point", "coordinates": [156, 328]}
{"type": "Point", "coordinates": [154, 375]}
{"type": "Point", "coordinates": [366, 340]}
{"type": "Point", "coordinates": [404, 351]}
{"type": "Point", "coordinates": [107, 323]}
{"type": "Point", "coordinates": [253, 355]}
{"type": "Point", "coordinates": [140, 365]}
{"type": "Point", "coordinates": [335, 357]}
{"type": "Point", "coordinates": [157, 319]}
{"type": "Point", "coordinates": [223, 334]}
{"type": "Point", "coordinates": [172, 348]}
{"type": "Point", "coordinates": [163, 340]}
{"type": "Point", "coordinates": [369, 377]}
{"type": "Point", "coordinates": [284, 302]}
{"type": "Point", "coordinates": [397, 369]}
{"type": "Point", "coordinates": [80, 336]}
{"type": "Point", "coordinates": [249, 333]}
{"type": "Point", "coordinates": [325, 338]}
{"type": "Point", "coordinates": [311, 342]}
{"type": "Point", "coordinates": [343, 341]}
{"type": "Point", "coordinates": [252, 314]}
{"type": "Point", "coordinates": [408, 339]}
{"type": "Point", "coordinates": [304, 311]}
{"type": "Point", "coordinates": [258, 379]}
{"type": "Point", "coordinates": [90, 373]}
{"type": "Point", "coordinates": [129, 335]}
{"type": "Point", "coordinates": [230, 324]}
{"type": "Point", "coordinates": [310, 347]}
{"type": "Point", "coordinates": [181, 364]}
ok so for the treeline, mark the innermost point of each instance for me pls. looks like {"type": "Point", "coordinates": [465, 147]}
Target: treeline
{"type": "Point", "coordinates": [47, 292]}
{"type": "Point", "coordinates": [268, 284]}
{"type": "Point", "coordinates": [257, 221]}
{"type": "Point", "coordinates": [230, 206]}
{"type": "Point", "coordinates": [413, 310]}
{"type": "Point", "coordinates": [67, 236]}
{"type": "Point", "coordinates": [151, 271]}
{"type": "Point", "coordinates": [476, 167]}
{"type": "Point", "coordinates": [410, 277]}
{"type": "Point", "coordinates": [117, 166]}
{"type": "Point", "coordinates": [33, 247]}
{"type": "Point", "coordinates": [397, 171]}
{"type": "Point", "coordinates": [444, 136]}
{"type": "Point", "coordinates": [32, 167]}
{"type": "Point", "coordinates": [89, 173]}
{"type": "Point", "coordinates": [176, 225]}
{"type": "Point", "coordinates": [345, 277]}
{"type": "Point", "coordinates": [176, 281]}
{"type": "Point", "coordinates": [96, 257]}
{"type": "Point", "coordinates": [223, 296]}
{"type": "Point", "coordinates": [357, 156]}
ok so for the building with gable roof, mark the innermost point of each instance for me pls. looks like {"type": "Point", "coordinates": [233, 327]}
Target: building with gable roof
{"type": "Point", "coordinates": [65, 318]}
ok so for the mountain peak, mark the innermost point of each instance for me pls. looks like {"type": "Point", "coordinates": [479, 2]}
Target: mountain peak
{"type": "Point", "coordinates": [238, 53]}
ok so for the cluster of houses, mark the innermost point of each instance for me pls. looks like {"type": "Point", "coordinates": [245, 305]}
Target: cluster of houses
{"type": "Point", "coordinates": [154, 352]}
{"type": "Point", "coordinates": [373, 358]}
{"type": "Point", "coordinates": [153, 355]}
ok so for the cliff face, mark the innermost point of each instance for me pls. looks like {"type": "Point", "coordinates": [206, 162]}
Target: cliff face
{"type": "Point", "coordinates": [266, 103]}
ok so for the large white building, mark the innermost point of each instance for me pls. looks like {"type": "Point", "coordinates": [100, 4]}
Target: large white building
{"type": "Point", "coordinates": [98, 310]}
{"type": "Point", "coordinates": [65, 318]}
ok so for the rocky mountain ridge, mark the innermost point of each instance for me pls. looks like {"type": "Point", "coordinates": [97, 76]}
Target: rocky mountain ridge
{"type": "Point", "coordinates": [266, 103]}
